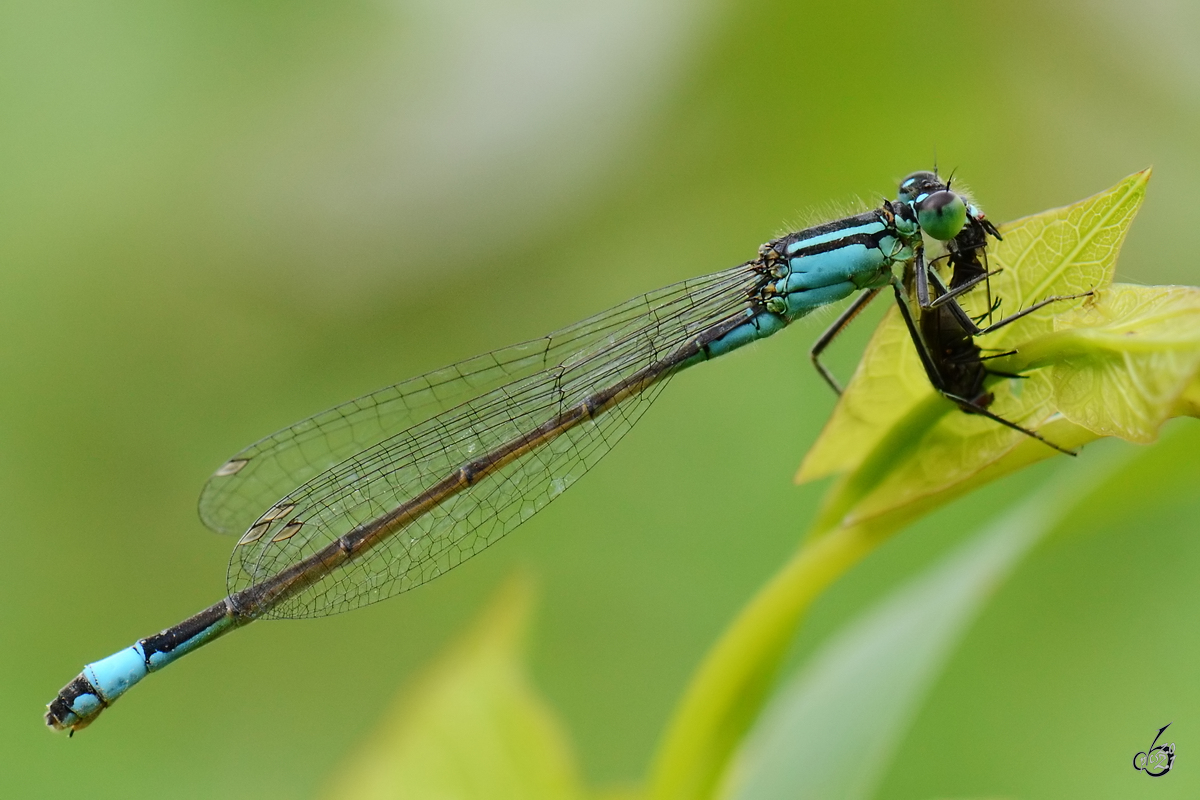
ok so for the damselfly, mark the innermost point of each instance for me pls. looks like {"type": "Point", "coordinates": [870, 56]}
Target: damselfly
{"type": "Point", "coordinates": [386, 492]}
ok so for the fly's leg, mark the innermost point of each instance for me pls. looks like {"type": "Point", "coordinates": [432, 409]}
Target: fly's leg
{"type": "Point", "coordinates": [968, 406]}
{"type": "Point", "coordinates": [1026, 311]}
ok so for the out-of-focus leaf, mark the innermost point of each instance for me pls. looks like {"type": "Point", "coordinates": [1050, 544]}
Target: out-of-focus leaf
{"type": "Point", "coordinates": [626, 793]}
{"type": "Point", "coordinates": [725, 694]}
{"type": "Point", "coordinates": [471, 727]}
{"type": "Point", "coordinates": [833, 729]}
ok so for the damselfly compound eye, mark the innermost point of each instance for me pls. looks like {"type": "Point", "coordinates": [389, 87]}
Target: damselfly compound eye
{"type": "Point", "coordinates": [942, 215]}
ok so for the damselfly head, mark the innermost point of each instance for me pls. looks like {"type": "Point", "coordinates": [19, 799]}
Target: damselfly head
{"type": "Point", "coordinates": [918, 184]}
{"type": "Point", "coordinates": [941, 213]}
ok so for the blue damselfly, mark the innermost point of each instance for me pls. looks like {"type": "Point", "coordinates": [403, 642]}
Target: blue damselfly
{"type": "Point", "coordinates": [386, 492]}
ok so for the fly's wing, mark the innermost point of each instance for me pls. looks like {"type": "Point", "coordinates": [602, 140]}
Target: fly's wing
{"type": "Point", "coordinates": [236, 494]}
{"type": "Point", "coordinates": [524, 387]}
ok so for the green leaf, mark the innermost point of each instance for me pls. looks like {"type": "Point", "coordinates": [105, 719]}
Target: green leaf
{"type": "Point", "coordinates": [471, 727]}
{"type": "Point", "coordinates": [1120, 366]}
{"type": "Point", "coordinates": [855, 699]}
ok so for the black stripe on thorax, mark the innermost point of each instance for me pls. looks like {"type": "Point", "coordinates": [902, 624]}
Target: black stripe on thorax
{"type": "Point", "coordinates": [868, 240]}
{"type": "Point", "coordinates": [865, 218]}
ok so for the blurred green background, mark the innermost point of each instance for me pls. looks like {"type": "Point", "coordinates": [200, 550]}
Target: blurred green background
{"type": "Point", "coordinates": [217, 218]}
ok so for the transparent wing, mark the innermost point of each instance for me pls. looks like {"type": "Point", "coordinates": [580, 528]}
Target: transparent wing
{"type": "Point", "coordinates": [236, 494]}
{"type": "Point", "coordinates": [511, 392]}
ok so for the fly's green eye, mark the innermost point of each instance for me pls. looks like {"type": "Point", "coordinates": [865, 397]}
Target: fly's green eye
{"type": "Point", "coordinates": [942, 215]}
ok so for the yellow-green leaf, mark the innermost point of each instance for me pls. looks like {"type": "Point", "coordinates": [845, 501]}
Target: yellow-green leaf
{"type": "Point", "coordinates": [471, 727]}
{"type": "Point", "coordinates": [1120, 364]}
{"type": "Point", "coordinates": [1063, 251]}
